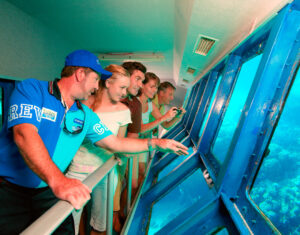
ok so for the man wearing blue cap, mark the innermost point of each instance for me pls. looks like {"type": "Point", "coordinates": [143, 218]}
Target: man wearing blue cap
{"type": "Point", "coordinates": [46, 125]}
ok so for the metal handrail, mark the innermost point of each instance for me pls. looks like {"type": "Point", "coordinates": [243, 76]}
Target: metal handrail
{"type": "Point", "coordinates": [53, 217]}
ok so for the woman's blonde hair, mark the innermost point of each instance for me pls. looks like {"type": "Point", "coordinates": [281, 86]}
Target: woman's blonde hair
{"type": "Point", "coordinates": [116, 71]}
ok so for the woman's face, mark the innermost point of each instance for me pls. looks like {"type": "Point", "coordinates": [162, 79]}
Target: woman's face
{"type": "Point", "coordinates": [117, 88]}
{"type": "Point", "coordinates": [150, 88]}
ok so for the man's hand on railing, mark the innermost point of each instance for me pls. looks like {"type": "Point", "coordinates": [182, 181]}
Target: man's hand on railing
{"type": "Point", "coordinates": [73, 191]}
{"type": "Point", "coordinates": [169, 145]}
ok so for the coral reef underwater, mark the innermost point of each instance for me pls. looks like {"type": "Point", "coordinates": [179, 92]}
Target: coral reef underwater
{"type": "Point", "coordinates": [277, 187]}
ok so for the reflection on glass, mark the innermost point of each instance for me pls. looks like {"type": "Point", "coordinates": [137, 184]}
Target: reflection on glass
{"type": "Point", "coordinates": [210, 105]}
{"type": "Point", "coordinates": [173, 164]}
{"type": "Point", "coordinates": [277, 187]}
{"type": "Point", "coordinates": [179, 199]}
{"type": "Point", "coordinates": [235, 108]}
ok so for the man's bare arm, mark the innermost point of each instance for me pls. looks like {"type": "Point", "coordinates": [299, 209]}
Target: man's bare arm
{"type": "Point", "coordinates": [37, 158]}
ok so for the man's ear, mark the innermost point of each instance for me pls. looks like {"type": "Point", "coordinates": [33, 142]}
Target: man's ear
{"type": "Point", "coordinates": [79, 74]}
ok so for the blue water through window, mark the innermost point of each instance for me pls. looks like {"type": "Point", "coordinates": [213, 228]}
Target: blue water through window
{"type": "Point", "coordinates": [235, 108]}
{"type": "Point", "coordinates": [277, 187]}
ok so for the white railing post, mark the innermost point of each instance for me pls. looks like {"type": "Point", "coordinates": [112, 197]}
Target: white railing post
{"type": "Point", "coordinates": [110, 202]}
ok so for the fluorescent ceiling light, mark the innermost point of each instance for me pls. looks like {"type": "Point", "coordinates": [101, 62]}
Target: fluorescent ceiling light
{"type": "Point", "coordinates": [130, 56]}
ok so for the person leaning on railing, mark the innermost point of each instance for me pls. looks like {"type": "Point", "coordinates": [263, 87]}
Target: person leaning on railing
{"type": "Point", "coordinates": [137, 74]}
{"type": "Point", "coordinates": [116, 116]}
{"type": "Point", "coordinates": [46, 125]}
{"type": "Point", "coordinates": [151, 117]}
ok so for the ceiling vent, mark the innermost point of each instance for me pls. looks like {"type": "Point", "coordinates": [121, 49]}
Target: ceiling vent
{"type": "Point", "coordinates": [191, 70]}
{"type": "Point", "coordinates": [204, 45]}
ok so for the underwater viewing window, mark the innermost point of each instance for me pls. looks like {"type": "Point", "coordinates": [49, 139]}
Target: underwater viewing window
{"type": "Point", "coordinates": [210, 105]}
{"type": "Point", "coordinates": [235, 108]}
{"type": "Point", "coordinates": [193, 189]}
{"type": "Point", "coordinates": [276, 190]}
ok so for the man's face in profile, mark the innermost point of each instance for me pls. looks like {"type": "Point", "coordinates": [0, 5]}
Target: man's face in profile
{"type": "Point", "coordinates": [167, 95]}
{"type": "Point", "coordinates": [136, 82]}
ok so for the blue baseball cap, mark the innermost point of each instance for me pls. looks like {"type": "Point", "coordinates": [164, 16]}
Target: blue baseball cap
{"type": "Point", "coordinates": [84, 58]}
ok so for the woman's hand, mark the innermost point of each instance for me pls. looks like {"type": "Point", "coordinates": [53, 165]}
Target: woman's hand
{"type": "Point", "coordinates": [169, 145]}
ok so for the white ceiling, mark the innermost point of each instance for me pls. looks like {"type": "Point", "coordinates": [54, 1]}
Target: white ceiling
{"type": "Point", "coordinates": [169, 27]}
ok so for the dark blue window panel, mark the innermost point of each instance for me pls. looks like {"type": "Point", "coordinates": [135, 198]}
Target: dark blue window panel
{"type": "Point", "coordinates": [1, 107]}
{"type": "Point", "coordinates": [196, 102]}
{"type": "Point", "coordinates": [187, 95]}
{"type": "Point", "coordinates": [210, 106]}
{"type": "Point", "coordinates": [223, 231]}
{"type": "Point", "coordinates": [210, 83]}
{"type": "Point", "coordinates": [190, 103]}
{"type": "Point", "coordinates": [6, 88]}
